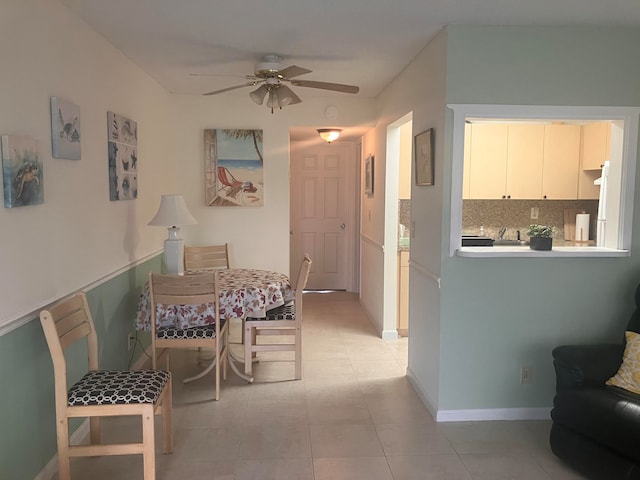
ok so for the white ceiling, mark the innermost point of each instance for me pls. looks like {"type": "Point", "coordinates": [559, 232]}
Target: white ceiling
{"type": "Point", "coordinates": [358, 42]}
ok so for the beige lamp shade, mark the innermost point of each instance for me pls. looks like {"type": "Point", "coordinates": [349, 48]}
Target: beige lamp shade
{"type": "Point", "coordinates": [173, 212]}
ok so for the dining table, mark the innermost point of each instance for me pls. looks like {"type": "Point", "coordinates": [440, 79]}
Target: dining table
{"type": "Point", "coordinates": [243, 292]}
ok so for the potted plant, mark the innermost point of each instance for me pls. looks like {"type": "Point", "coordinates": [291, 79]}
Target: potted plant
{"type": "Point", "coordinates": [541, 237]}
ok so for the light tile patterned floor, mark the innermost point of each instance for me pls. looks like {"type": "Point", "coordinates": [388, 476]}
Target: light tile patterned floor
{"type": "Point", "coordinates": [354, 416]}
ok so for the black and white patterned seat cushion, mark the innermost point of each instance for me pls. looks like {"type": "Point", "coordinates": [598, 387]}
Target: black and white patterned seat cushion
{"type": "Point", "coordinates": [114, 387]}
{"type": "Point", "coordinates": [283, 312]}
{"type": "Point", "coordinates": [171, 333]}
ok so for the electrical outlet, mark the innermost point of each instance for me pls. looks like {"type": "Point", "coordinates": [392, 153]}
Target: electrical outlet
{"type": "Point", "coordinates": [526, 375]}
{"type": "Point", "coordinates": [534, 213]}
{"type": "Point", "coordinates": [131, 340]}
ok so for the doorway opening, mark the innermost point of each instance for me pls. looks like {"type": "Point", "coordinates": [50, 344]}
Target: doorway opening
{"type": "Point", "coordinates": [397, 227]}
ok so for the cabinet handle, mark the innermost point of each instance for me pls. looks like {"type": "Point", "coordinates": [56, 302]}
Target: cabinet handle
{"type": "Point", "coordinates": [544, 197]}
{"type": "Point", "coordinates": [504, 196]}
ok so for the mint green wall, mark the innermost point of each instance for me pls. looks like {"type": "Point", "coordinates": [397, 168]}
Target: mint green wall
{"type": "Point", "coordinates": [499, 314]}
{"type": "Point", "coordinates": [27, 418]}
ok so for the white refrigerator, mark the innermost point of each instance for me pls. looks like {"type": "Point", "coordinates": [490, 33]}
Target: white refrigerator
{"type": "Point", "coordinates": [601, 225]}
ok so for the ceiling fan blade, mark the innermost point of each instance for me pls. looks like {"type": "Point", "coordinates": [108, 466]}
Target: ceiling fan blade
{"type": "Point", "coordinates": [293, 71]}
{"type": "Point", "coordinates": [228, 89]}
{"type": "Point", "coordinates": [336, 87]}
{"type": "Point", "coordinates": [248, 77]}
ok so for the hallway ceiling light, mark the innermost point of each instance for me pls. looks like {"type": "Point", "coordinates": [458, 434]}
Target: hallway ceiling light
{"type": "Point", "coordinates": [329, 134]}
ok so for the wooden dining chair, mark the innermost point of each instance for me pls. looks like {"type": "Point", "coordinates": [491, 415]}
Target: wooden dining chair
{"type": "Point", "coordinates": [283, 320]}
{"type": "Point", "coordinates": [206, 257]}
{"type": "Point", "coordinates": [102, 393]}
{"type": "Point", "coordinates": [174, 291]}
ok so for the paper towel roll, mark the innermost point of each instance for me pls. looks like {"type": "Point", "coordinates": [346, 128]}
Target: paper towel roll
{"type": "Point", "coordinates": [582, 227]}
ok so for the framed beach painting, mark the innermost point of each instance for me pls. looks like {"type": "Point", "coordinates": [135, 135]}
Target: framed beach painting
{"type": "Point", "coordinates": [65, 129]}
{"type": "Point", "coordinates": [22, 174]}
{"type": "Point", "coordinates": [123, 157]}
{"type": "Point", "coordinates": [233, 168]}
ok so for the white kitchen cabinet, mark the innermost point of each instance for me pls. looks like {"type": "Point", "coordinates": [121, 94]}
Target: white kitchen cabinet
{"type": "Point", "coordinates": [488, 161]}
{"type": "Point", "coordinates": [561, 162]}
{"type": "Point", "coordinates": [523, 161]}
{"type": "Point", "coordinates": [596, 138]}
{"type": "Point", "coordinates": [403, 293]}
{"type": "Point", "coordinates": [525, 147]}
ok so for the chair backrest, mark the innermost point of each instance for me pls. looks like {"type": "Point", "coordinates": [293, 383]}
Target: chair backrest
{"type": "Point", "coordinates": [303, 276]}
{"type": "Point", "coordinates": [196, 289]}
{"type": "Point", "coordinates": [207, 257]}
{"type": "Point", "coordinates": [65, 323]}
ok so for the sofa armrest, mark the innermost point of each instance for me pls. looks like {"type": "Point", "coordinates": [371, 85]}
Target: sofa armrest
{"type": "Point", "coordinates": [586, 365]}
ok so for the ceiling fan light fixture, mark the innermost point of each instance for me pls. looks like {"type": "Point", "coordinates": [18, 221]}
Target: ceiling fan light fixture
{"type": "Point", "coordinates": [258, 94]}
{"type": "Point", "coordinates": [329, 134]}
{"type": "Point", "coordinates": [272, 101]}
{"type": "Point", "coordinates": [284, 95]}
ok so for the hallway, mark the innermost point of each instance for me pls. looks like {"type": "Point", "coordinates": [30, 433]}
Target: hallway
{"type": "Point", "coordinates": [354, 416]}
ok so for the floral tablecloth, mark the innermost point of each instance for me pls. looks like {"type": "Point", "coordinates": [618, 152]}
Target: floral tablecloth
{"type": "Point", "coordinates": [243, 292]}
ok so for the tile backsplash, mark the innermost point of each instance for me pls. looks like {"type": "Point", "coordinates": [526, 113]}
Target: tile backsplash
{"type": "Point", "coordinates": [404, 213]}
{"type": "Point", "coordinates": [515, 215]}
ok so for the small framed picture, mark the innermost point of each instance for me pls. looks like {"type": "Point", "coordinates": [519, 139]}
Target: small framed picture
{"type": "Point", "coordinates": [368, 175]}
{"type": "Point", "coordinates": [423, 152]}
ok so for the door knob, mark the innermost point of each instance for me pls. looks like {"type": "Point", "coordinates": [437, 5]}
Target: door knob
{"type": "Point", "coordinates": [342, 226]}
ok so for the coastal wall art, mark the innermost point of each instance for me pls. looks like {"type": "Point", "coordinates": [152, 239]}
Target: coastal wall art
{"type": "Point", "coordinates": [123, 157]}
{"type": "Point", "coordinates": [233, 168]}
{"type": "Point", "coordinates": [22, 174]}
{"type": "Point", "coordinates": [65, 129]}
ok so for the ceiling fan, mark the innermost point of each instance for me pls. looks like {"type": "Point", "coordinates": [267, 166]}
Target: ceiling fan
{"type": "Point", "coordinates": [271, 75]}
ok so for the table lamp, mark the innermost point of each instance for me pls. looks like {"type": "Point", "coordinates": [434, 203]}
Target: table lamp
{"type": "Point", "coordinates": [173, 213]}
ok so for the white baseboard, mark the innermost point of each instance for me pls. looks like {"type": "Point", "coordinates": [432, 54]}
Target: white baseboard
{"type": "Point", "coordinates": [51, 468]}
{"type": "Point", "coordinates": [432, 406]}
{"type": "Point", "coordinates": [390, 334]}
{"type": "Point", "coordinates": [476, 415]}
{"type": "Point", "coordinates": [479, 415]}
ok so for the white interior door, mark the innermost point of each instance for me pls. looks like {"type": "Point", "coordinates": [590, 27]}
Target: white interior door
{"type": "Point", "coordinates": [323, 192]}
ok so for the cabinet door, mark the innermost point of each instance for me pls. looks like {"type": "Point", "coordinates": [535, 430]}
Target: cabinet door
{"type": "Point", "coordinates": [488, 162]}
{"type": "Point", "coordinates": [595, 144]}
{"type": "Point", "coordinates": [524, 161]}
{"type": "Point", "coordinates": [561, 162]}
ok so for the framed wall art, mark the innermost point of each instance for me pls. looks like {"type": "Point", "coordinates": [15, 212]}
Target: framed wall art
{"type": "Point", "coordinates": [368, 175]}
{"type": "Point", "coordinates": [22, 171]}
{"type": "Point", "coordinates": [123, 157]}
{"type": "Point", "coordinates": [423, 152]}
{"type": "Point", "coordinates": [233, 168]}
{"type": "Point", "coordinates": [65, 129]}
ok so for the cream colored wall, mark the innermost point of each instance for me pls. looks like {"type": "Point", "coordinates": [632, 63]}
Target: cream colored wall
{"type": "Point", "coordinates": [258, 236]}
{"type": "Point", "coordinates": [408, 93]}
{"type": "Point", "coordinates": [77, 236]}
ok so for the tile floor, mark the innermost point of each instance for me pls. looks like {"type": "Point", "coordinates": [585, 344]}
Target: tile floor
{"type": "Point", "coordinates": [354, 416]}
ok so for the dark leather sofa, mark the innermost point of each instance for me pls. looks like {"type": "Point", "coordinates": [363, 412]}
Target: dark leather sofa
{"type": "Point", "coordinates": [596, 428]}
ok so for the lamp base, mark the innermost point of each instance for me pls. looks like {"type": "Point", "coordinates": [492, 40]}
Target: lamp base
{"type": "Point", "coordinates": [174, 252]}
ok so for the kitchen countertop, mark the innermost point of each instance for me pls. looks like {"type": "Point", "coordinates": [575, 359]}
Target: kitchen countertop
{"type": "Point", "coordinates": [560, 249]}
